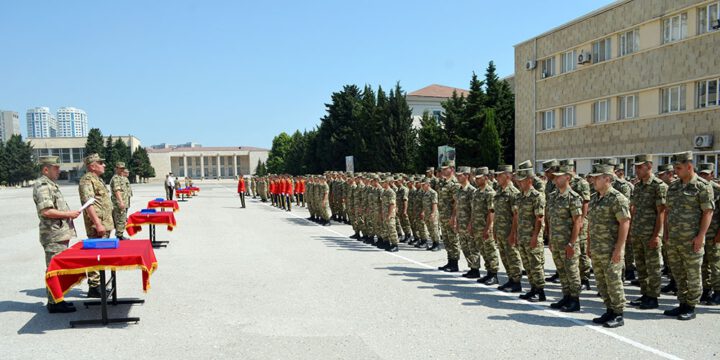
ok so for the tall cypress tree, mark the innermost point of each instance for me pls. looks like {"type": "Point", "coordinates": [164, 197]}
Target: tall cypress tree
{"type": "Point", "coordinates": [19, 161]}
{"type": "Point", "coordinates": [94, 143]}
{"type": "Point", "coordinates": [3, 165]}
{"type": "Point", "coordinates": [501, 98]}
{"type": "Point", "coordinates": [490, 149]}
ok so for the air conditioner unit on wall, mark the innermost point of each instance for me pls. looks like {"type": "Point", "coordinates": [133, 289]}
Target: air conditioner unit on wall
{"type": "Point", "coordinates": [530, 65]}
{"type": "Point", "coordinates": [703, 141]}
{"type": "Point", "coordinates": [584, 57]}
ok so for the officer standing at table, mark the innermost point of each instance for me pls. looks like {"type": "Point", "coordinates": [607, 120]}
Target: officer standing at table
{"type": "Point", "coordinates": [98, 216]}
{"type": "Point", "coordinates": [56, 226]}
{"type": "Point", "coordinates": [120, 187]}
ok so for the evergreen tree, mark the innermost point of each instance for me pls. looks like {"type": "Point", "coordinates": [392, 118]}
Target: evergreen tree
{"type": "Point", "coordinates": [260, 169]}
{"type": "Point", "coordinates": [501, 98]}
{"type": "Point", "coordinates": [3, 165]}
{"type": "Point", "coordinates": [295, 158]}
{"type": "Point", "coordinates": [140, 166]}
{"type": "Point", "coordinates": [278, 152]}
{"type": "Point", "coordinates": [401, 135]}
{"type": "Point", "coordinates": [94, 143]}
{"type": "Point", "coordinates": [111, 157]}
{"type": "Point", "coordinates": [490, 149]}
{"type": "Point", "coordinates": [20, 166]}
{"type": "Point", "coordinates": [430, 136]}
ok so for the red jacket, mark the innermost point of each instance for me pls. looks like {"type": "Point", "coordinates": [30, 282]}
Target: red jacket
{"type": "Point", "coordinates": [241, 185]}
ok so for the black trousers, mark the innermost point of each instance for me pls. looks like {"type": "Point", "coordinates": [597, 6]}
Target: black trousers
{"type": "Point", "coordinates": [242, 199]}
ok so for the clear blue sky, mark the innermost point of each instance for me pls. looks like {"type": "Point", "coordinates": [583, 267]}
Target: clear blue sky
{"type": "Point", "coordinates": [227, 73]}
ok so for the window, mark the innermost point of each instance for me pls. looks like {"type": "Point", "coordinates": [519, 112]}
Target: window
{"type": "Point", "coordinates": [568, 61]}
{"type": "Point", "coordinates": [707, 93]}
{"type": "Point", "coordinates": [629, 42]}
{"type": "Point", "coordinates": [601, 50]}
{"type": "Point", "coordinates": [627, 107]}
{"type": "Point", "coordinates": [672, 99]}
{"type": "Point", "coordinates": [65, 156]}
{"type": "Point", "coordinates": [548, 67]}
{"type": "Point", "coordinates": [675, 28]}
{"type": "Point", "coordinates": [601, 111]}
{"type": "Point", "coordinates": [548, 120]}
{"type": "Point", "coordinates": [437, 114]}
{"type": "Point", "coordinates": [708, 18]}
{"type": "Point", "coordinates": [568, 117]}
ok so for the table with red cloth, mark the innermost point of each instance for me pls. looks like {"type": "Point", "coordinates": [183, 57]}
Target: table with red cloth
{"type": "Point", "coordinates": [170, 204]}
{"type": "Point", "coordinates": [181, 193]}
{"type": "Point", "coordinates": [193, 190]}
{"type": "Point", "coordinates": [69, 268]}
{"type": "Point", "coordinates": [136, 220]}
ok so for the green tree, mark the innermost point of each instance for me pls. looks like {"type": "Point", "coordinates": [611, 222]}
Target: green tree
{"type": "Point", "coordinates": [111, 157]}
{"type": "Point", "coordinates": [490, 149]}
{"type": "Point", "coordinates": [3, 165]}
{"type": "Point", "coordinates": [402, 139]}
{"type": "Point", "coordinates": [501, 98]}
{"type": "Point", "coordinates": [278, 152]}
{"type": "Point", "coordinates": [140, 166]}
{"type": "Point", "coordinates": [94, 143]}
{"type": "Point", "coordinates": [295, 158]}
{"type": "Point", "coordinates": [19, 161]}
{"type": "Point", "coordinates": [260, 169]}
{"type": "Point", "coordinates": [430, 136]}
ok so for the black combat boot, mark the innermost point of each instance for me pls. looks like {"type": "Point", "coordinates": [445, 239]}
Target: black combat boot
{"type": "Point", "coordinates": [572, 305]}
{"type": "Point", "coordinates": [420, 243]}
{"type": "Point", "coordinates": [515, 287]}
{"type": "Point", "coordinates": [561, 303]}
{"type": "Point", "coordinates": [553, 279]}
{"type": "Point", "coordinates": [650, 303]}
{"type": "Point", "coordinates": [484, 278]}
{"type": "Point", "coordinates": [585, 283]}
{"type": "Point", "coordinates": [445, 266]}
{"type": "Point", "coordinates": [639, 301]}
{"type": "Point", "coordinates": [393, 248]}
{"type": "Point", "coordinates": [354, 236]}
{"type": "Point", "coordinates": [435, 246]}
{"type": "Point", "coordinates": [492, 280]}
{"type": "Point", "coordinates": [615, 321]}
{"type": "Point", "coordinates": [687, 314]}
{"type": "Point", "coordinates": [714, 299]}
{"type": "Point", "coordinates": [705, 296]}
{"type": "Point", "coordinates": [538, 296]}
{"type": "Point", "coordinates": [671, 287]}
{"type": "Point", "coordinates": [403, 239]}
{"type": "Point", "coordinates": [506, 286]}
{"type": "Point", "coordinates": [472, 274]}
{"type": "Point", "coordinates": [604, 317]}
{"type": "Point", "coordinates": [529, 294]}
{"type": "Point", "coordinates": [61, 307]}
{"type": "Point", "coordinates": [412, 241]}
{"type": "Point", "coordinates": [453, 266]}
{"type": "Point", "coordinates": [675, 311]}
{"type": "Point", "coordinates": [630, 275]}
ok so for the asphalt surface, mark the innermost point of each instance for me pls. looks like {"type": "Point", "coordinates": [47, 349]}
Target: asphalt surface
{"type": "Point", "coordinates": [261, 283]}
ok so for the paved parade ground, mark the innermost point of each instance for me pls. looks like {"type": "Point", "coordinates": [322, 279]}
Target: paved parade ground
{"type": "Point", "coordinates": [260, 283]}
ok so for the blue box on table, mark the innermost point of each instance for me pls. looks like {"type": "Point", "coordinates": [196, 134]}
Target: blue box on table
{"type": "Point", "coordinates": [100, 243]}
{"type": "Point", "coordinates": [148, 211]}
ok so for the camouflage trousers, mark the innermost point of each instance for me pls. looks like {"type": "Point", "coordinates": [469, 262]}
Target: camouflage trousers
{"type": "Point", "coordinates": [120, 219]}
{"type": "Point", "coordinates": [398, 227]}
{"type": "Point", "coordinates": [629, 256]}
{"type": "Point", "coordinates": [469, 247]}
{"type": "Point", "coordinates": [325, 212]}
{"type": "Point", "coordinates": [711, 264]}
{"type": "Point", "coordinates": [608, 276]}
{"type": "Point", "coordinates": [94, 276]}
{"type": "Point", "coordinates": [390, 230]}
{"type": "Point", "coordinates": [450, 239]}
{"type": "Point", "coordinates": [405, 223]}
{"type": "Point", "coordinates": [509, 255]}
{"type": "Point", "coordinates": [584, 261]}
{"type": "Point", "coordinates": [52, 249]}
{"type": "Point", "coordinates": [430, 223]}
{"type": "Point", "coordinates": [533, 261]}
{"type": "Point", "coordinates": [686, 264]}
{"type": "Point", "coordinates": [568, 269]}
{"type": "Point", "coordinates": [647, 262]}
{"type": "Point", "coordinates": [488, 250]}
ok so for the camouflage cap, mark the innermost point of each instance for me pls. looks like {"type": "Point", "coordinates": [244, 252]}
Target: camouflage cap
{"type": "Point", "coordinates": [119, 165]}
{"type": "Point", "coordinates": [464, 170]}
{"type": "Point", "coordinates": [602, 169]}
{"type": "Point", "coordinates": [527, 164]}
{"type": "Point", "coordinates": [563, 170]}
{"type": "Point", "coordinates": [523, 174]}
{"type": "Point", "coordinates": [682, 157]}
{"type": "Point", "coordinates": [491, 173]}
{"type": "Point", "coordinates": [706, 168]}
{"type": "Point", "coordinates": [640, 159]}
{"type": "Point", "coordinates": [92, 158]}
{"type": "Point", "coordinates": [620, 166]}
{"type": "Point", "coordinates": [609, 161]}
{"type": "Point", "coordinates": [550, 165]}
{"type": "Point", "coordinates": [481, 171]}
{"type": "Point", "coordinates": [448, 163]}
{"type": "Point", "coordinates": [49, 161]}
{"type": "Point", "coordinates": [504, 169]}
{"type": "Point", "coordinates": [429, 169]}
{"type": "Point", "coordinates": [664, 168]}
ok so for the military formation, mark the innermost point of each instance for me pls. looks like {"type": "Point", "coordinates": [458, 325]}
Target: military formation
{"type": "Point", "coordinates": [107, 212]}
{"type": "Point", "coordinates": [624, 232]}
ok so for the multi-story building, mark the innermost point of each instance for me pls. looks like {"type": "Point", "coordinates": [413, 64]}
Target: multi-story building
{"type": "Point", "coordinates": [636, 76]}
{"type": "Point", "coordinates": [72, 122]}
{"type": "Point", "coordinates": [41, 123]}
{"type": "Point", "coordinates": [9, 124]}
{"type": "Point", "coordinates": [206, 162]}
{"type": "Point", "coordinates": [429, 99]}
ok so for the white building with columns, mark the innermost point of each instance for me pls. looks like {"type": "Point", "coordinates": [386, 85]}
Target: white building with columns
{"type": "Point", "coordinates": [206, 162]}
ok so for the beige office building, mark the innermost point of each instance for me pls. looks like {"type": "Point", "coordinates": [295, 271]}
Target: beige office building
{"type": "Point", "coordinates": [637, 76]}
{"type": "Point", "coordinates": [200, 162]}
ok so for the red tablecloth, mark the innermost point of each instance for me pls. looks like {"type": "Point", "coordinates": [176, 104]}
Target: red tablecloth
{"type": "Point", "coordinates": [68, 268]}
{"type": "Point", "coordinates": [182, 191]}
{"type": "Point", "coordinates": [193, 188]}
{"type": "Point", "coordinates": [170, 204]}
{"type": "Point", "coordinates": [137, 220]}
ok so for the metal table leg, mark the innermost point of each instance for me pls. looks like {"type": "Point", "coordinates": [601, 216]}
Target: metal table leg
{"type": "Point", "coordinates": [104, 319]}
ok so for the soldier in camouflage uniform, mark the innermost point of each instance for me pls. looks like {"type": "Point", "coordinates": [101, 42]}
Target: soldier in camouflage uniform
{"type": "Point", "coordinates": [350, 206]}
{"type": "Point", "coordinates": [56, 221]}
{"type": "Point", "coordinates": [262, 188]}
{"type": "Point", "coordinates": [388, 212]}
{"type": "Point", "coordinates": [711, 260]}
{"type": "Point", "coordinates": [565, 221]}
{"type": "Point", "coordinates": [448, 186]}
{"type": "Point", "coordinates": [121, 194]}
{"type": "Point", "coordinates": [503, 228]}
{"type": "Point", "coordinates": [690, 202]}
{"type": "Point", "coordinates": [582, 187]}
{"type": "Point", "coordinates": [483, 216]}
{"type": "Point", "coordinates": [647, 205]}
{"type": "Point", "coordinates": [98, 216]}
{"type": "Point", "coordinates": [411, 206]}
{"type": "Point", "coordinates": [529, 226]}
{"type": "Point", "coordinates": [462, 222]}
{"type": "Point", "coordinates": [367, 213]}
{"type": "Point", "coordinates": [421, 232]}
{"type": "Point", "coordinates": [625, 188]}
{"type": "Point", "coordinates": [609, 223]}
{"type": "Point", "coordinates": [550, 167]}
{"type": "Point", "coordinates": [430, 214]}
{"type": "Point", "coordinates": [323, 193]}
{"type": "Point", "coordinates": [403, 216]}
{"type": "Point", "coordinates": [666, 174]}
